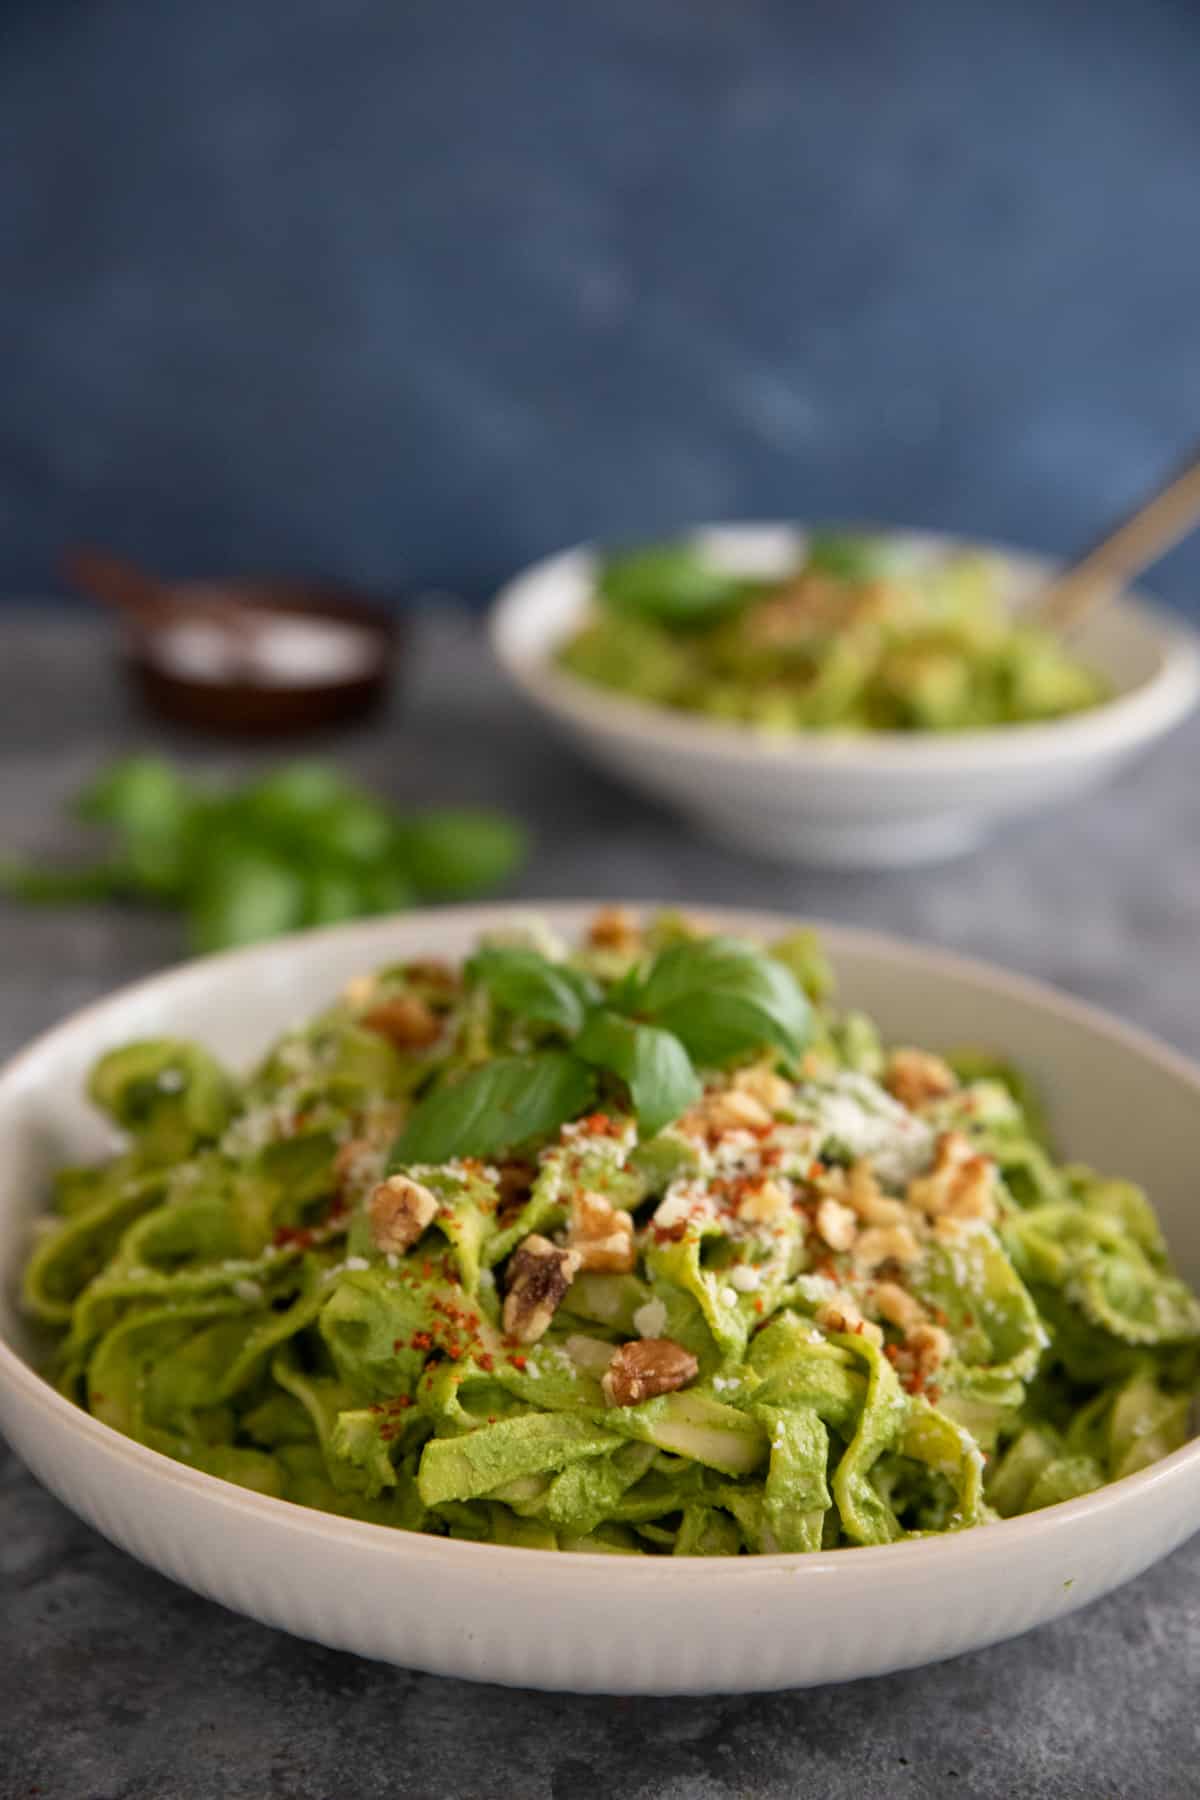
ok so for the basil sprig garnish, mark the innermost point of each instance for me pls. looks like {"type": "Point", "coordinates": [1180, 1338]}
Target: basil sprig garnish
{"type": "Point", "coordinates": [695, 1004]}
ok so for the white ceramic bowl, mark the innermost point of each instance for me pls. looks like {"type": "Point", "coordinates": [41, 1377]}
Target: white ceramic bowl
{"type": "Point", "coordinates": [878, 800]}
{"type": "Point", "coordinates": [594, 1622]}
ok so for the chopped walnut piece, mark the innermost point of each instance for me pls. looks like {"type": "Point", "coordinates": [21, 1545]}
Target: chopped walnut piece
{"type": "Point", "coordinates": [842, 1315]}
{"type": "Point", "coordinates": [930, 1345]}
{"type": "Point", "coordinates": [615, 928]}
{"type": "Point", "coordinates": [915, 1077]}
{"type": "Point", "coordinates": [959, 1186]}
{"type": "Point", "coordinates": [898, 1306]}
{"type": "Point", "coordinates": [765, 1086]}
{"type": "Point", "coordinates": [647, 1367]}
{"type": "Point", "coordinates": [539, 1274]}
{"type": "Point", "coordinates": [730, 1110]}
{"type": "Point", "coordinates": [885, 1243]}
{"type": "Point", "coordinates": [764, 1203]}
{"type": "Point", "coordinates": [357, 1162]}
{"type": "Point", "coordinates": [405, 1021]}
{"type": "Point", "coordinates": [360, 991]}
{"type": "Point", "coordinates": [836, 1224]}
{"type": "Point", "coordinates": [400, 1210]}
{"type": "Point", "coordinates": [602, 1234]}
{"type": "Point", "coordinates": [864, 1194]}
{"type": "Point", "coordinates": [432, 972]}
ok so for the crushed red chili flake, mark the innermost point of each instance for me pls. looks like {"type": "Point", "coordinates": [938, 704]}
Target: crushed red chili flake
{"type": "Point", "coordinates": [294, 1237]}
{"type": "Point", "coordinates": [933, 1394]}
{"type": "Point", "coordinates": [486, 1361]}
{"type": "Point", "coordinates": [518, 1361]}
{"type": "Point", "coordinates": [758, 1303]}
{"type": "Point", "coordinates": [421, 1340]}
{"type": "Point", "coordinates": [599, 1125]}
{"type": "Point", "coordinates": [452, 1351]}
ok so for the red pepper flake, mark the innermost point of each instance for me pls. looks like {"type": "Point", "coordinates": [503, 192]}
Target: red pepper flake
{"type": "Point", "coordinates": [518, 1361]}
{"type": "Point", "coordinates": [293, 1237]}
{"type": "Point", "coordinates": [758, 1304]}
{"type": "Point", "coordinates": [933, 1394]}
{"type": "Point", "coordinates": [892, 1352]}
{"type": "Point", "coordinates": [491, 1418]}
{"type": "Point", "coordinates": [599, 1125]}
{"type": "Point", "coordinates": [486, 1361]}
{"type": "Point", "coordinates": [453, 1352]}
{"type": "Point", "coordinates": [421, 1340]}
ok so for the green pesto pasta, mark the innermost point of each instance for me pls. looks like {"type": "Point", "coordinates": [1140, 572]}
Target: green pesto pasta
{"type": "Point", "coordinates": [858, 637]}
{"type": "Point", "coordinates": [642, 1247]}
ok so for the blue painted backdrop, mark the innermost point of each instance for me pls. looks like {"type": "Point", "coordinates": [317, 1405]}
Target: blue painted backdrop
{"type": "Point", "coordinates": [409, 291]}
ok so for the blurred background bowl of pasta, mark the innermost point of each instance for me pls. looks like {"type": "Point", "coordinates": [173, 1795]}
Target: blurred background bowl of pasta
{"type": "Point", "coordinates": [839, 794]}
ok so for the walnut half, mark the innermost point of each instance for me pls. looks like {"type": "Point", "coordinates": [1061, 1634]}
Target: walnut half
{"type": "Point", "coordinates": [916, 1077]}
{"type": "Point", "coordinates": [602, 1234]}
{"type": "Point", "coordinates": [400, 1210]}
{"type": "Point", "coordinates": [405, 1021]}
{"type": "Point", "coordinates": [539, 1274]}
{"type": "Point", "coordinates": [650, 1366]}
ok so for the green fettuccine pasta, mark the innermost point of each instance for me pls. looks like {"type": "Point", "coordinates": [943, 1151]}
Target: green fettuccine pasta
{"type": "Point", "coordinates": [640, 1248]}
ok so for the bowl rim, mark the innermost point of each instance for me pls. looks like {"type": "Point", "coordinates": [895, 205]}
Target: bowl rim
{"type": "Point", "coordinates": [1001, 1540]}
{"type": "Point", "coordinates": [1145, 711]}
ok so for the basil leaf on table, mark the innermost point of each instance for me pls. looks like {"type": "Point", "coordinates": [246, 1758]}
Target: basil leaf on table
{"type": "Point", "coordinates": [652, 1063]}
{"type": "Point", "coordinates": [242, 896]}
{"type": "Point", "coordinates": [526, 983]}
{"type": "Point", "coordinates": [459, 851]}
{"type": "Point", "coordinates": [495, 1107]}
{"type": "Point", "coordinates": [673, 584]}
{"type": "Point", "coordinates": [722, 997]}
{"type": "Point", "coordinates": [151, 807]}
{"type": "Point", "coordinates": [302, 845]}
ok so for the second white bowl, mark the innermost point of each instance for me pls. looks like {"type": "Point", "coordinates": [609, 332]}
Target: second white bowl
{"type": "Point", "coordinates": [880, 800]}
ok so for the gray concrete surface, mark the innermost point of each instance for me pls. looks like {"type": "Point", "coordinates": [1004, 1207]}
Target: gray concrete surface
{"type": "Point", "coordinates": [115, 1685]}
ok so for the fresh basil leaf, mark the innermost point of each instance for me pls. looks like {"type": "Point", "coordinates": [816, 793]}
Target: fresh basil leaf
{"type": "Point", "coordinates": [152, 809]}
{"type": "Point", "coordinates": [721, 996]}
{"type": "Point", "coordinates": [242, 896]}
{"type": "Point", "coordinates": [532, 987]}
{"type": "Point", "coordinates": [64, 887]}
{"type": "Point", "coordinates": [331, 895]}
{"type": "Point", "coordinates": [497, 1106]}
{"type": "Point", "coordinates": [386, 890]}
{"type": "Point", "coordinates": [847, 555]}
{"type": "Point", "coordinates": [309, 808]}
{"type": "Point", "coordinates": [458, 852]}
{"type": "Point", "coordinates": [672, 584]}
{"type": "Point", "coordinates": [652, 1063]}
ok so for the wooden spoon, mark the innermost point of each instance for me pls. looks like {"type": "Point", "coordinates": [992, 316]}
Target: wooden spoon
{"type": "Point", "coordinates": [1137, 542]}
